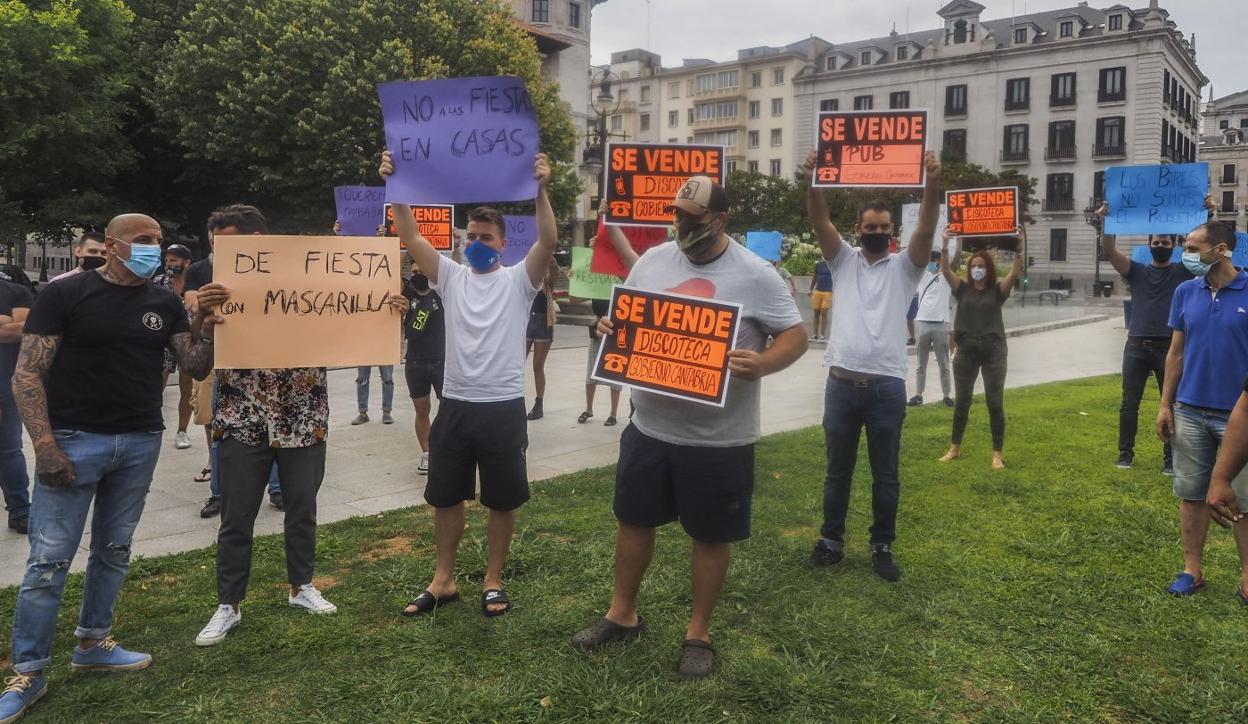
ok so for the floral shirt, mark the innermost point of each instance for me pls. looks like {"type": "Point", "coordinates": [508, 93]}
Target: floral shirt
{"type": "Point", "coordinates": [275, 407]}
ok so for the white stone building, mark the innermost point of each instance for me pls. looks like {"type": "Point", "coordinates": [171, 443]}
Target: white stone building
{"type": "Point", "coordinates": [1225, 146]}
{"type": "Point", "coordinates": [1059, 95]}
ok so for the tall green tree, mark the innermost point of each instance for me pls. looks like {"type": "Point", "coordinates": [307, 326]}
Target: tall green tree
{"type": "Point", "coordinates": [64, 65]}
{"type": "Point", "coordinates": [280, 95]}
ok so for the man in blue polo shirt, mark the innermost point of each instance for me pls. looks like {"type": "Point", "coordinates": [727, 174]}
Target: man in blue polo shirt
{"type": "Point", "coordinates": [1205, 368]}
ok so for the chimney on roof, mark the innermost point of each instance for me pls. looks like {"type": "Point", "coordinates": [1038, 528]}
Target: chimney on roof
{"type": "Point", "coordinates": [893, 34]}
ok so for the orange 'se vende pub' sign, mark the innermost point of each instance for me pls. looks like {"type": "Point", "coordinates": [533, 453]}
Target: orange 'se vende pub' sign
{"type": "Point", "coordinates": [669, 344]}
{"type": "Point", "coordinates": [870, 149]}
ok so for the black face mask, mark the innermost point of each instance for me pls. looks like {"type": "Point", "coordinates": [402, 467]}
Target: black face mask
{"type": "Point", "coordinates": [420, 282]}
{"type": "Point", "coordinates": [92, 262]}
{"type": "Point", "coordinates": [173, 271]}
{"type": "Point", "coordinates": [875, 243]}
{"type": "Point", "coordinates": [1161, 254]}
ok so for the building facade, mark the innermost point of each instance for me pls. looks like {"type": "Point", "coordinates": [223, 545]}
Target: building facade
{"type": "Point", "coordinates": [1060, 96]}
{"type": "Point", "coordinates": [1225, 146]}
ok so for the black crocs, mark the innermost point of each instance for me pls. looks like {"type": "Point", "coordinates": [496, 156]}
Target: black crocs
{"type": "Point", "coordinates": [697, 660]}
{"type": "Point", "coordinates": [605, 631]}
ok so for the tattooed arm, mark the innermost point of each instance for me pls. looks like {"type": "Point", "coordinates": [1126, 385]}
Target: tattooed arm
{"type": "Point", "coordinates": [193, 349]}
{"type": "Point", "coordinates": [52, 467]}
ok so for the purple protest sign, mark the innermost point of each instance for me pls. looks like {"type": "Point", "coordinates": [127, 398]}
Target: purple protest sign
{"type": "Point", "coordinates": [460, 140]}
{"type": "Point", "coordinates": [521, 235]}
{"type": "Point", "coordinates": [361, 209]}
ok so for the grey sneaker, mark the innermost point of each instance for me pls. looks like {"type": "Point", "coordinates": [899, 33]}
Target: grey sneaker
{"type": "Point", "coordinates": [387, 418]}
{"type": "Point", "coordinates": [360, 419]}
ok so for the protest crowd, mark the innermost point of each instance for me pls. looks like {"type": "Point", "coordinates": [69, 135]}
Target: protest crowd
{"type": "Point", "coordinates": [692, 326]}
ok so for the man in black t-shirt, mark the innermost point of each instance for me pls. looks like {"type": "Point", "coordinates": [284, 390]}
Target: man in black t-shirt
{"type": "Point", "coordinates": [15, 301]}
{"type": "Point", "coordinates": [1148, 334]}
{"type": "Point", "coordinates": [425, 329]}
{"type": "Point", "coordinates": [88, 387]}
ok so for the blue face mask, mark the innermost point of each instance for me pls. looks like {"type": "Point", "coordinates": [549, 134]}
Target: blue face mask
{"type": "Point", "coordinates": [1191, 260]}
{"type": "Point", "coordinates": [480, 256]}
{"type": "Point", "coordinates": [144, 259]}
{"type": "Point", "coordinates": [932, 267]}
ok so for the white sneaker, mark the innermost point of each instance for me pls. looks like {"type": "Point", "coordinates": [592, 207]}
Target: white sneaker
{"type": "Point", "coordinates": [311, 599]}
{"type": "Point", "coordinates": [220, 625]}
{"type": "Point", "coordinates": [182, 441]}
{"type": "Point", "coordinates": [423, 468]}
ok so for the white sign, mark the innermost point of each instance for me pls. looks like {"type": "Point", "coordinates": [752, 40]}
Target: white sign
{"type": "Point", "coordinates": [910, 219]}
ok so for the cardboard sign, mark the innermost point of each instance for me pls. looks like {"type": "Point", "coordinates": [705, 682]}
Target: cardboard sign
{"type": "Point", "coordinates": [870, 149]}
{"type": "Point", "coordinates": [1166, 199]}
{"type": "Point", "coordinates": [307, 301]}
{"type": "Point", "coordinates": [983, 212]}
{"type": "Point", "coordinates": [360, 209]}
{"type": "Point", "coordinates": [669, 344]}
{"type": "Point", "coordinates": [641, 238]}
{"type": "Point", "coordinates": [521, 235]}
{"type": "Point", "coordinates": [460, 140]}
{"type": "Point", "coordinates": [585, 284]}
{"type": "Point", "coordinates": [643, 178]}
{"type": "Point", "coordinates": [435, 222]}
{"type": "Point", "coordinates": [766, 244]}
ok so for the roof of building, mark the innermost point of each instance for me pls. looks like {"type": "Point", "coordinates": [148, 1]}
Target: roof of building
{"type": "Point", "coordinates": [1234, 100]}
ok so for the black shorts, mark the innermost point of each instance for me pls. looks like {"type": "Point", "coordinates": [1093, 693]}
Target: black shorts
{"type": "Point", "coordinates": [708, 489]}
{"type": "Point", "coordinates": [488, 436]}
{"type": "Point", "coordinates": [538, 330]}
{"type": "Point", "coordinates": [422, 375]}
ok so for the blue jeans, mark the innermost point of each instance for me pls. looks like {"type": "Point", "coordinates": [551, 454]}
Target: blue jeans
{"type": "Point", "coordinates": [115, 471]}
{"type": "Point", "coordinates": [880, 406]}
{"type": "Point", "coordinates": [1198, 434]}
{"type": "Point", "coordinates": [387, 387]}
{"type": "Point", "coordinates": [214, 483]}
{"type": "Point", "coordinates": [13, 477]}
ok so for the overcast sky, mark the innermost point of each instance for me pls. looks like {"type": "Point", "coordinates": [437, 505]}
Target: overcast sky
{"type": "Point", "coordinates": [716, 29]}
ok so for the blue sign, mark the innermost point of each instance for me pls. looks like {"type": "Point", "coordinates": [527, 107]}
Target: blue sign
{"type": "Point", "coordinates": [764, 243]}
{"type": "Point", "coordinates": [1165, 199]}
{"type": "Point", "coordinates": [521, 235]}
{"type": "Point", "coordinates": [1239, 257]}
{"type": "Point", "coordinates": [460, 140]}
{"type": "Point", "coordinates": [361, 209]}
{"type": "Point", "coordinates": [1141, 254]}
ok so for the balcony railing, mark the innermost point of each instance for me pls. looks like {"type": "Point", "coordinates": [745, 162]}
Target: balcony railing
{"type": "Point", "coordinates": [729, 92]}
{"type": "Point", "coordinates": [1228, 208]}
{"type": "Point", "coordinates": [1014, 155]}
{"type": "Point", "coordinates": [1061, 101]}
{"type": "Point", "coordinates": [705, 123]}
{"type": "Point", "coordinates": [1022, 105]}
{"type": "Point", "coordinates": [1059, 204]}
{"type": "Point", "coordinates": [1061, 153]}
{"type": "Point", "coordinates": [1231, 181]}
{"type": "Point", "coordinates": [1116, 150]}
{"type": "Point", "coordinates": [955, 111]}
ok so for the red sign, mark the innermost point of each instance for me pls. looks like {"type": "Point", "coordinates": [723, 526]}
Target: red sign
{"type": "Point", "coordinates": [435, 222]}
{"type": "Point", "coordinates": [983, 212]}
{"type": "Point", "coordinates": [669, 344]}
{"type": "Point", "coordinates": [643, 178]}
{"type": "Point", "coordinates": [605, 259]}
{"type": "Point", "coordinates": [870, 148]}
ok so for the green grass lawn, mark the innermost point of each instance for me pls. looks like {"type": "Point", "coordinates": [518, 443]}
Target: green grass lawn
{"type": "Point", "coordinates": [1032, 594]}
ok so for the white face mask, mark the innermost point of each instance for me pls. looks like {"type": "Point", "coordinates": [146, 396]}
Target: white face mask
{"type": "Point", "coordinates": [979, 273]}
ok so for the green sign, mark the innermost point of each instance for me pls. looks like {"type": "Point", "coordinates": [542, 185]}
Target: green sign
{"type": "Point", "coordinates": [585, 284]}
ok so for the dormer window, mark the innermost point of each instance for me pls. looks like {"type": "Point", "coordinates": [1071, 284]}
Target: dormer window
{"type": "Point", "coordinates": [1066, 29]}
{"type": "Point", "coordinates": [959, 32]}
{"type": "Point", "coordinates": [829, 63]}
{"type": "Point", "coordinates": [1115, 21]}
{"type": "Point", "coordinates": [1020, 36]}
{"type": "Point", "coordinates": [903, 53]}
{"type": "Point", "coordinates": [865, 58]}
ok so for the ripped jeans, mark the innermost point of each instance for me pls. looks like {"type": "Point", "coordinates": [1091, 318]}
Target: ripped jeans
{"type": "Point", "coordinates": [115, 471]}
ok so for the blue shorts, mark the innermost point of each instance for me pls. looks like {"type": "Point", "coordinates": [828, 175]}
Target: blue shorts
{"type": "Point", "coordinates": [1197, 439]}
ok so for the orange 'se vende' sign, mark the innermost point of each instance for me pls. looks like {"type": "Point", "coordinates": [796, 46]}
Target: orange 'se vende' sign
{"type": "Point", "coordinates": [870, 149]}
{"type": "Point", "coordinates": [643, 178]}
{"type": "Point", "coordinates": [669, 344]}
{"type": "Point", "coordinates": [983, 212]}
{"type": "Point", "coordinates": [436, 223]}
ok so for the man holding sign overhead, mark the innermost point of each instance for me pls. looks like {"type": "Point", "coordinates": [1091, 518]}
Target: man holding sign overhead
{"type": "Point", "coordinates": [481, 423]}
{"type": "Point", "coordinates": [685, 460]}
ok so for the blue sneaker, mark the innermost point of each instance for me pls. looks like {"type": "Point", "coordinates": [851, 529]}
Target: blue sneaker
{"type": "Point", "coordinates": [20, 691]}
{"type": "Point", "coordinates": [106, 655]}
{"type": "Point", "coordinates": [1185, 585]}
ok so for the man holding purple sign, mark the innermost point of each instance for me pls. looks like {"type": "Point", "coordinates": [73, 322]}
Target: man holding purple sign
{"type": "Point", "coordinates": [480, 425]}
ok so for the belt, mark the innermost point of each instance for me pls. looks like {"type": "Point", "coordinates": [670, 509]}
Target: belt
{"type": "Point", "coordinates": [857, 379]}
{"type": "Point", "coordinates": [1151, 341]}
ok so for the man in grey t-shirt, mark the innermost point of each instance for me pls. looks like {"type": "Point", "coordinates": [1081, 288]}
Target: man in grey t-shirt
{"type": "Point", "coordinates": [685, 461]}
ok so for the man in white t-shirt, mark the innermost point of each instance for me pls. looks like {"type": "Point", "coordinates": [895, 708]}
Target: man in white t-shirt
{"type": "Point", "coordinates": [932, 329]}
{"type": "Point", "coordinates": [481, 425]}
{"type": "Point", "coordinates": [866, 361]}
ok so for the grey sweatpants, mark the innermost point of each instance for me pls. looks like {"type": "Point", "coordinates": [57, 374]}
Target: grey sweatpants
{"type": "Point", "coordinates": [933, 337]}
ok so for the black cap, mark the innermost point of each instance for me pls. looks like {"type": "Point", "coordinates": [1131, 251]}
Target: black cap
{"type": "Point", "coordinates": [179, 250]}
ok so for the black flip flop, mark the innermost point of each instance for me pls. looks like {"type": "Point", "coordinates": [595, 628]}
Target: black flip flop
{"type": "Point", "coordinates": [610, 422]}
{"type": "Point", "coordinates": [697, 660]}
{"type": "Point", "coordinates": [494, 596]}
{"type": "Point", "coordinates": [427, 602]}
{"type": "Point", "coordinates": [584, 417]}
{"type": "Point", "coordinates": [204, 476]}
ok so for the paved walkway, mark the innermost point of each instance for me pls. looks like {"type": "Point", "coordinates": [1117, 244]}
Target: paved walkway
{"type": "Point", "coordinates": [372, 468]}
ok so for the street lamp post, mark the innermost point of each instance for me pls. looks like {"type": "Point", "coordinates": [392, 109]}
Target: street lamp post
{"type": "Point", "coordinates": [605, 105]}
{"type": "Point", "coordinates": [1094, 220]}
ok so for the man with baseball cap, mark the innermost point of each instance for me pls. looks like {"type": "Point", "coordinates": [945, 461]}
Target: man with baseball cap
{"type": "Point", "coordinates": [681, 460]}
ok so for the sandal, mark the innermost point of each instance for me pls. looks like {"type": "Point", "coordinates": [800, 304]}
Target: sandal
{"type": "Point", "coordinates": [1185, 584]}
{"type": "Point", "coordinates": [494, 596]}
{"type": "Point", "coordinates": [426, 602]}
{"type": "Point", "coordinates": [610, 422]}
{"type": "Point", "coordinates": [204, 476]}
{"type": "Point", "coordinates": [584, 417]}
{"type": "Point", "coordinates": [697, 660]}
{"type": "Point", "coordinates": [605, 631]}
